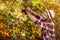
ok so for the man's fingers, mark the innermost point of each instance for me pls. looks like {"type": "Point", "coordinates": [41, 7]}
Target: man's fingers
{"type": "Point", "coordinates": [28, 8]}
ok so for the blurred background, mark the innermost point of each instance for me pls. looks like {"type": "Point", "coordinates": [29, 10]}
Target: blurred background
{"type": "Point", "coordinates": [15, 25]}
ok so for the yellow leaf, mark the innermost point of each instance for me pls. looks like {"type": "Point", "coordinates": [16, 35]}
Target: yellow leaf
{"type": "Point", "coordinates": [1, 25]}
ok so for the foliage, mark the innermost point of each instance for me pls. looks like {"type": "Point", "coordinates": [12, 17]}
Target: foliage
{"type": "Point", "coordinates": [14, 24]}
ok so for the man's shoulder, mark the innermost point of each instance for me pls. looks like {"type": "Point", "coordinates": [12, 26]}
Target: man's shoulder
{"type": "Point", "coordinates": [50, 23]}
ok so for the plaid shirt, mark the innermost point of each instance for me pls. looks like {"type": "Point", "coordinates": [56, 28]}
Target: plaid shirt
{"type": "Point", "coordinates": [48, 31]}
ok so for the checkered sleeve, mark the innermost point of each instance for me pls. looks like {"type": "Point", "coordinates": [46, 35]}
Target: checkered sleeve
{"type": "Point", "coordinates": [48, 27]}
{"type": "Point", "coordinates": [44, 25]}
{"type": "Point", "coordinates": [40, 23]}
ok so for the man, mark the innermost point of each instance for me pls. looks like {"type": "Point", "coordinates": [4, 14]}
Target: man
{"type": "Point", "coordinates": [45, 22]}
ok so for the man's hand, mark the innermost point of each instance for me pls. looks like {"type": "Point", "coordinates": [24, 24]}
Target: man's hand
{"type": "Point", "coordinates": [28, 8]}
{"type": "Point", "coordinates": [31, 11]}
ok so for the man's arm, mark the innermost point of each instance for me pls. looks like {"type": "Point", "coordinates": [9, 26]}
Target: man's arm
{"type": "Point", "coordinates": [35, 20]}
{"type": "Point", "coordinates": [38, 21]}
{"type": "Point", "coordinates": [33, 13]}
{"type": "Point", "coordinates": [31, 16]}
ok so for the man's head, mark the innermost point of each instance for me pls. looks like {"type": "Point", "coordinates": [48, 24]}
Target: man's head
{"type": "Point", "coordinates": [49, 14]}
